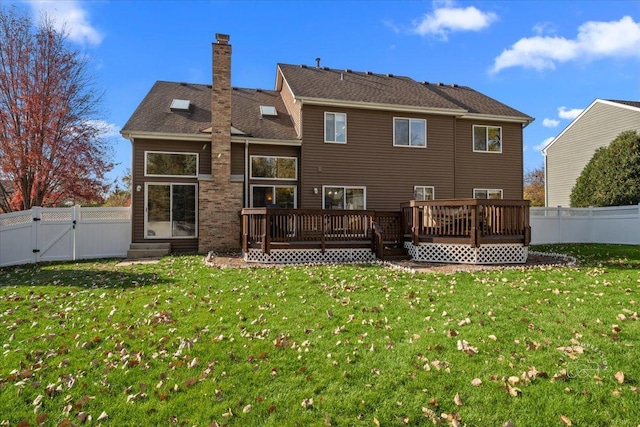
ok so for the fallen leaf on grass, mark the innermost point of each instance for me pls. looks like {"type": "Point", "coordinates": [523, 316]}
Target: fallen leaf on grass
{"type": "Point", "coordinates": [247, 409]}
{"type": "Point", "coordinates": [42, 418]}
{"type": "Point", "coordinates": [513, 391]}
{"type": "Point", "coordinates": [476, 382]}
{"type": "Point", "coordinates": [619, 376]}
{"type": "Point", "coordinates": [565, 420]}
{"type": "Point", "coordinates": [307, 403]}
{"type": "Point", "coordinates": [457, 400]}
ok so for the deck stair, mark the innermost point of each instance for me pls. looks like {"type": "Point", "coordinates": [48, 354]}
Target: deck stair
{"type": "Point", "coordinates": [395, 254]}
{"type": "Point", "coordinates": [148, 250]}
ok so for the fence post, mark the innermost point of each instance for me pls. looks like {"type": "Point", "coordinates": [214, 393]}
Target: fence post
{"type": "Point", "coordinates": [36, 217]}
{"type": "Point", "coordinates": [75, 217]}
{"type": "Point", "coordinates": [559, 234]}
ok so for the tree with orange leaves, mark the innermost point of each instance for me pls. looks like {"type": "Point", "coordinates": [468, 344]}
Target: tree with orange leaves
{"type": "Point", "coordinates": [51, 149]}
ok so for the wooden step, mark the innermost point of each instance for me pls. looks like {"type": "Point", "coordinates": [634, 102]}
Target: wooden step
{"type": "Point", "coordinates": [395, 254]}
{"type": "Point", "coordinates": [148, 250]}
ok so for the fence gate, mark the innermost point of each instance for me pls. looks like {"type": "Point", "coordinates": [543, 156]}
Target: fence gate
{"type": "Point", "coordinates": [58, 234]}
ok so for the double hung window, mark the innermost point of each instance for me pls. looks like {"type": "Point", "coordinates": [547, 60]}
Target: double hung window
{"type": "Point", "coordinates": [409, 132]}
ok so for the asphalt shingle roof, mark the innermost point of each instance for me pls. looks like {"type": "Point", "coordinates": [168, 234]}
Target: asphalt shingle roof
{"type": "Point", "coordinates": [154, 115]}
{"type": "Point", "coordinates": [347, 85]}
{"type": "Point", "coordinates": [630, 103]}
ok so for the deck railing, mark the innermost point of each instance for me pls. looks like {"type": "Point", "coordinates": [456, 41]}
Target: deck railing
{"type": "Point", "coordinates": [270, 228]}
{"type": "Point", "coordinates": [472, 221]}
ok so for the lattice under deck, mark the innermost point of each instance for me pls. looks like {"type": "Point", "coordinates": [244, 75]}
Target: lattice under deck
{"type": "Point", "coordinates": [465, 254]}
{"type": "Point", "coordinates": [299, 256]}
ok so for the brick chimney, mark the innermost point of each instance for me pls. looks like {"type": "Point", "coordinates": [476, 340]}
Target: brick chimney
{"type": "Point", "coordinates": [220, 200]}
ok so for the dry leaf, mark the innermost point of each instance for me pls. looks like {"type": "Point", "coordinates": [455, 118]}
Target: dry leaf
{"type": "Point", "coordinates": [247, 409]}
{"type": "Point", "coordinates": [619, 376]}
{"type": "Point", "coordinates": [376, 422]}
{"type": "Point", "coordinates": [307, 403]}
{"type": "Point", "coordinates": [103, 416]}
{"type": "Point", "coordinates": [42, 418]}
{"type": "Point", "coordinates": [513, 391]}
{"type": "Point", "coordinates": [457, 400]}
{"type": "Point", "coordinates": [476, 382]}
{"type": "Point", "coordinates": [565, 420]}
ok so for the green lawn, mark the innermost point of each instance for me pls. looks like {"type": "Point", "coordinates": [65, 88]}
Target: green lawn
{"type": "Point", "coordinates": [180, 343]}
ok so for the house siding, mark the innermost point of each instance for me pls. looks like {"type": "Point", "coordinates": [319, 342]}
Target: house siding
{"type": "Point", "coordinates": [370, 160]}
{"type": "Point", "coordinates": [488, 170]}
{"type": "Point", "coordinates": [292, 107]}
{"type": "Point", "coordinates": [137, 197]}
{"type": "Point", "coordinates": [570, 153]}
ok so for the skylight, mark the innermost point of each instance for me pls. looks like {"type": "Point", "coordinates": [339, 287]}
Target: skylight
{"type": "Point", "coordinates": [180, 105]}
{"type": "Point", "coordinates": [268, 110]}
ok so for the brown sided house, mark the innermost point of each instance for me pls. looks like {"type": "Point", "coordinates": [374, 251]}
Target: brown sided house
{"type": "Point", "coordinates": [322, 139]}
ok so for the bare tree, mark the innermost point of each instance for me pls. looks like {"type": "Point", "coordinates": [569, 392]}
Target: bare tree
{"type": "Point", "coordinates": [51, 148]}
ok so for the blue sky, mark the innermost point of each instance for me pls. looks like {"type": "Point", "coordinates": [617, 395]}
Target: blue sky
{"type": "Point", "coordinates": [548, 59]}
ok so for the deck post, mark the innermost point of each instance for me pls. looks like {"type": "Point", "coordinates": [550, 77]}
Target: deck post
{"type": "Point", "coordinates": [245, 234]}
{"type": "Point", "coordinates": [415, 227]}
{"type": "Point", "coordinates": [267, 233]}
{"type": "Point", "coordinates": [474, 226]}
{"type": "Point", "coordinates": [322, 231]}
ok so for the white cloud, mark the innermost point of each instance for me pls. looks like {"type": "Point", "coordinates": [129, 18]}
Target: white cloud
{"type": "Point", "coordinates": [71, 16]}
{"type": "Point", "coordinates": [594, 40]}
{"type": "Point", "coordinates": [564, 113]}
{"type": "Point", "coordinates": [550, 123]}
{"type": "Point", "coordinates": [543, 144]}
{"type": "Point", "coordinates": [107, 130]}
{"type": "Point", "coordinates": [447, 18]}
{"type": "Point", "coordinates": [544, 27]}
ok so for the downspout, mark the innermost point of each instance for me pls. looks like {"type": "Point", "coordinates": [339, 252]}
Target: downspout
{"type": "Point", "coordinates": [546, 185]}
{"type": "Point", "coordinates": [246, 173]}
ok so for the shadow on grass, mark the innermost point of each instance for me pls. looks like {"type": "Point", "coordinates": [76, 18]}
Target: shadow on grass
{"type": "Point", "coordinates": [85, 274]}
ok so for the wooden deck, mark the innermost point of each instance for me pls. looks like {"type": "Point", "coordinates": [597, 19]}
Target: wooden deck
{"type": "Point", "coordinates": [471, 222]}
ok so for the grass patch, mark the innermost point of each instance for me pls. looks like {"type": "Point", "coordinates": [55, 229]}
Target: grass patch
{"type": "Point", "coordinates": [181, 343]}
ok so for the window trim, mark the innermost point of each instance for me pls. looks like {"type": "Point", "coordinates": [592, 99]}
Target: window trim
{"type": "Point", "coordinates": [346, 187]}
{"type": "Point", "coordinates": [473, 139]}
{"type": "Point", "coordinates": [410, 119]}
{"type": "Point", "coordinates": [171, 152]}
{"type": "Point", "coordinates": [334, 132]}
{"type": "Point", "coordinates": [433, 190]}
{"type": "Point", "coordinates": [273, 190]}
{"type": "Point", "coordinates": [269, 178]}
{"type": "Point", "coordinates": [146, 210]}
{"type": "Point", "coordinates": [487, 190]}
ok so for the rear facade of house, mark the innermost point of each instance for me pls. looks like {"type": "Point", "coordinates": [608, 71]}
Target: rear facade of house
{"type": "Point", "coordinates": [322, 139]}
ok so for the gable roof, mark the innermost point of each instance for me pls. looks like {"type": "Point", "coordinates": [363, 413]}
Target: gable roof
{"type": "Point", "coordinates": [632, 105]}
{"type": "Point", "coordinates": [154, 116]}
{"type": "Point", "coordinates": [368, 90]}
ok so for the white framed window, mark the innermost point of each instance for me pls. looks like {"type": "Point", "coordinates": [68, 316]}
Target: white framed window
{"type": "Point", "coordinates": [335, 127]}
{"type": "Point", "coordinates": [341, 197]}
{"type": "Point", "coordinates": [487, 193]}
{"type": "Point", "coordinates": [282, 196]}
{"type": "Point", "coordinates": [421, 192]}
{"type": "Point", "coordinates": [409, 132]}
{"type": "Point", "coordinates": [170, 164]}
{"type": "Point", "coordinates": [487, 139]}
{"type": "Point", "coordinates": [271, 167]}
{"type": "Point", "coordinates": [171, 210]}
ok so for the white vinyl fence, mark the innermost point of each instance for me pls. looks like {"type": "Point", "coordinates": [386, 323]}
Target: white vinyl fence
{"type": "Point", "coordinates": [57, 234]}
{"type": "Point", "coordinates": [615, 224]}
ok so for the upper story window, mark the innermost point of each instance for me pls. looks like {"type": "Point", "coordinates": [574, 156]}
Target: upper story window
{"type": "Point", "coordinates": [423, 192]}
{"type": "Point", "coordinates": [487, 193]}
{"type": "Point", "coordinates": [487, 139]}
{"type": "Point", "coordinates": [409, 132]}
{"type": "Point", "coordinates": [157, 163]}
{"type": "Point", "coordinates": [267, 167]}
{"type": "Point", "coordinates": [335, 127]}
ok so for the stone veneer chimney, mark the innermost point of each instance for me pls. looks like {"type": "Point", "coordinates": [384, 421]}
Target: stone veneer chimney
{"type": "Point", "coordinates": [220, 200]}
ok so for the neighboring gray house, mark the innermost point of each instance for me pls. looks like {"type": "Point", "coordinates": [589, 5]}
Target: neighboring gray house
{"type": "Point", "coordinates": [566, 156]}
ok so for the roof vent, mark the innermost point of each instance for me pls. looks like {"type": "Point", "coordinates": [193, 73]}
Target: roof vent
{"type": "Point", "coordinates": [369, 73]}
{"type": "Point", "coordinates": [424, 82]}
{"type": "Point", "coordinates": [348, 70]}
{"type": "Point", "coordinates": [258, 90]}
{"type": "Point", "coordinates": [389, 75]}
{"type": "Point", "coordinates": [318, 62]}
{"type": "Point", "coordinates": [440, 84]}
{"type": "Point", "coordinates": [303, 66]}
{"type": "Point", "coordinates": [326, 68]}
{"type": "Point", "coordinates": [268, 110]}
{"type": "Point", "coordinates": [454, 85]}
{"type": "Point", "coordinates": [180, 105]}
